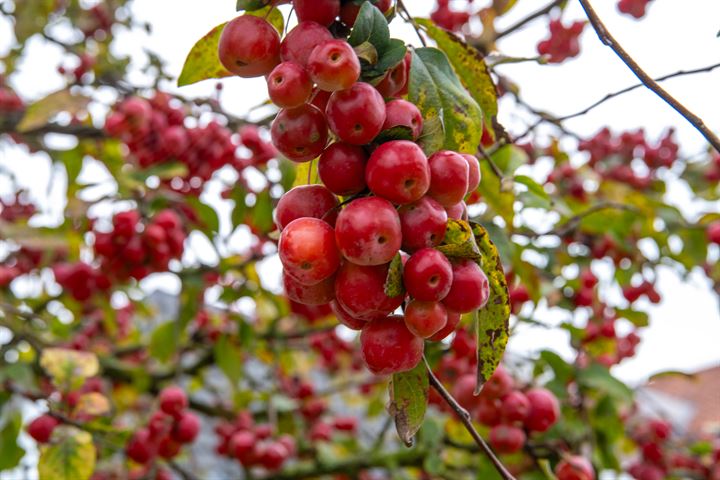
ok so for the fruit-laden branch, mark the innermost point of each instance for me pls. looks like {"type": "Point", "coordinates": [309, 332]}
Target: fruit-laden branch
{"type": "Point", "coordinates": [607, 39]}
{"type": "Point", "coordinates": [464, 417]}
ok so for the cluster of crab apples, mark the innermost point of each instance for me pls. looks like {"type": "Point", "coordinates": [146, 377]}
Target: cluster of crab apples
{"type": "Point", "coordinates": [395, 200]}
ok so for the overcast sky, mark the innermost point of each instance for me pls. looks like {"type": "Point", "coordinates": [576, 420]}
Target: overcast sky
{"type": "Point", "coordinates": [674, 36]}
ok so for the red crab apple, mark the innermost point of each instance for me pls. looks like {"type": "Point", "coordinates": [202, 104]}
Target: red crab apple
{"type": "Point", "coordinates": [423, 224]}
{"type": "Point", "coordinates": [387, 346]}
{"type": "Point", "coordinates": [506, 439]}
{"type": "Point", "coordinates": [342, 168]}
{"type": "Point", "coordinates": [249, 46]}
{"type": "Point", "coordinates": [449, 177]}
{"type": "Point", "coordinates": [289, 85]}
{"type": "Point", "coordinates": [425, 319]}
{"type": "Point", "coordinates": [307, 250]}
{"type": "Point", "coordinates": [428, 275]}
{"type": "Point", "coordinates": [299, 43]}
{"type": "Point", "coordinates": [42, 427]}
{"type": "Point", "coordinates": [300, 133]}
{"type": "Point", "coordinates": [306, 201]}
{"type": "Point", "coordinates": [368, 231]}
{"type": "Point", "coordinates": [544, 410]}
{"type": "Point", "coordinates": [401, 113]}
{"type": "Point", "coordinates": [323, 12]}
{"type": "Point", "coordinates": [574, 468]}
{"type": "Point", "coordinates": [333, 65]}
{"type": "Point", "coordinates": [356, 114]}
{"type": "Point", "coordinates": [469, 290]}
{"type": "Point", "coordinates": [173, 401]}
{"type": "Point", "coordinates": [318, 294]}
{"type": "Point", "coordinates": [398, 171]}
{"type": "Point", "coordinates": [360, 290]}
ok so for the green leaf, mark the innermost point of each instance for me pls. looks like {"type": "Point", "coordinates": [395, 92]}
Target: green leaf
{"type": "Point", "coordinates": [207, 215]}
{"type": "Point", "coordinates": [469, 65]}
{"type": "Point", "coordinates": [408, 401]}
{"type": "Point", "coordinates": [492, 325]}
{"type": "Point", "coordinates": [436, 90]}
{"type": "Point", "coordinates": [273, 16]}
{"type": "Point", "coordinates": [599, 378]}
{"type": "Point", "coordinates": [636, 317]}
{"type": "Point", "coordinates": [262, 212]}
{"type": "Point", "coordinates": [164, 341]}
{"type": "Point", "coordinates": [31, 16]}
{"type": "Point", "coordinates": [164, 171]}
{"type": "Point", "coordinates": [202, 62]}
{"type": "Point", "coordinates": [370, 26]}
{"type": "Point", "coordinates": [40, 112]}
{"type": "Point", "coordinates": [393, 54]}
{"type": "Point", "coordinates": [394, 281]}
{"type": "Point", "coordinates": [71, 455]}
{"type": "Point", "coordinates": [228, 357]}
{"type": "Point", "coordinates": [68, 369]}
{"type": "Point", "coordinates": [459, 241]}
{"type": "Point", "coordinates": [10, 452]}
{"type": "Point", "coordinates": [399, 132]}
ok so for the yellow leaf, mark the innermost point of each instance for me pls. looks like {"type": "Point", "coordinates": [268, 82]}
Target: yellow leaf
{"type": "Point", "coordinates": [93, 404]}
{"type": "Point", "coordinates": [40, 112]}
{"type": "Point", "coordinates": [68, 368]}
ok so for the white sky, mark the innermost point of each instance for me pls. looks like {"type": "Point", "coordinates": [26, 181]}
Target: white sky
{"type": "Point", "coordinates": [686, 325]}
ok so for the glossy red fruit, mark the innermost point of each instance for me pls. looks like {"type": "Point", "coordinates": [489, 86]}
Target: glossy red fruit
{"type": "Point", "coordinates": [307, 250]}
{"type": "Point", "coordinates": [449, 177]}
{"type": "Point", "coordinates": [249, 46]}
{"type": "Point", "coordinates": [401, 113]}
{"type": "Point", "coordinates": [342, 168]}
{"type": "Point", "coordinates": [423, 224]}
{"type": "Point", "coordinates": [453, 319]}
{"type": "Point", "coordinates": [299, 43]}
{"type": "Point", "coordinates": [425, 319]}
{"type": "Point", "coordinates": [323, 12]}
{"type": "Point", "coordinates": [544, 410]}
{"type": "Point", "coordinates": [242, 446]}
{"type": "Point", "coordinates": [368, 231]}
{"type": "Point", "coordinates": [488, 411]}
{"type": "Point", "coordinates": [398, 171]}
{"type": "Point", "coordinates": [515, 407]}
{"type": "Point", "coordinates": [356, 114]}
{"type": "Point", "coordinates": [387, 346]}
{"type": "Point", "coordinates": [273, 455]}
{"type": "Point", "coordinates": [574, 467]}
{"type": "Point", "coordinates": [42, 427]}
{"type": "Point", "coordinates": [499, 384]}
{"type": "Point", "coordinates": [300, 133]}
{"type": "Point", "coordinates": [289, 85]}
{"type": "Point", "coordinates": [187, 428]}
{"type": "Point", "coordinates": [395, 81]}
{"type": "Point", "coordinates": [457, 211]}
{"type": "Point", "coordinates": [318, 294]}
{"type": "Point", "coordinates": [473, 172]}
{"type": "Point", "coordinates": [360, 290]}
{"type": "Point", "coordinates": [333, 65]}
{"type": "Point", "coordinates": [349, 11]}
{"type": "Point", "coordinates": [469, 290]}
{"type": "Point", "coordinates": [314, 201]}
{"type": "Point", "coordinates": [506, 439]}
{"type": "Point", "coordinates": [713, 232]}
{"type": "Point", "coordinates": [140, 448]}
{"type": "Point", "coordinates": [346, 318]}
{"type": "Point", "coordinates": [173, 401]}
{"type": "Point", "coordinates": [428, 275]}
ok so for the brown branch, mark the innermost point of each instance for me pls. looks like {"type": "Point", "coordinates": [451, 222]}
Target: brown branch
{"type": "Point", "coordinates": [464, 417]}
{"type": "Point", "coordinates": [412, 22]}
{"type": "Point", "coordinates": [607, 39]}
{"type": "Point", "coordinates": [543, 11]}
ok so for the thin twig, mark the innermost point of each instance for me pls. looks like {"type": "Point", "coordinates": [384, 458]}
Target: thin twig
{"type": "Point", "coordinates": [410, 19]}
{"type": "Point", "coordinates": [543, 11]}
{"type": "Point", "coordinates": [607, 39]}
{"type": "Point", "coordinates": [464, 417]}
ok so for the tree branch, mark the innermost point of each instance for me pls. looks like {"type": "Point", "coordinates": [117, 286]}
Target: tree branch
{"type": "Point", "coordinates": [464, 417]}
{"type": "Point", "coordinates": [607, 39]}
